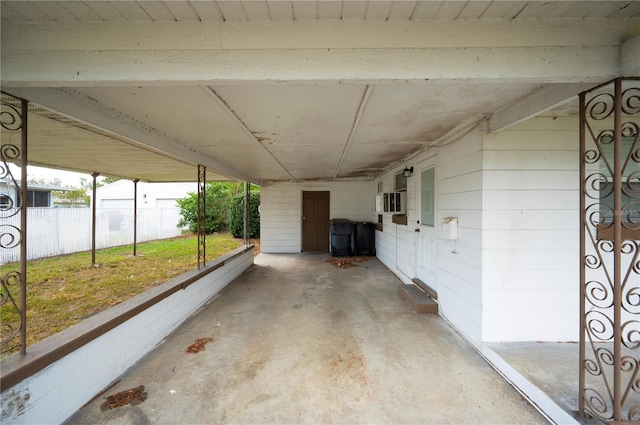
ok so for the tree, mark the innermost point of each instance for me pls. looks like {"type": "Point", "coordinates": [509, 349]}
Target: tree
{"type": "Point", "coordinates": [236, 215]}
{"type": "Point", "coordinates": [109, 180]}
{"type": "Point", "coordinates": [51, 182]}
{"type": "Point", "coordinates": [87, 184]}
{"type": "Point", "coordinates": [72, 198]}
{"type": "Point", "coordinates": [218, 195]}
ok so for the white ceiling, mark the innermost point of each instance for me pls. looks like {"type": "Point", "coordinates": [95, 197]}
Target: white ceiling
{"type": "Point", "coordinates": [285, 132]}
{"type": "Point", "coordinates": [270, 129]}
{"type": "Point", "coordinates": [281, 10]}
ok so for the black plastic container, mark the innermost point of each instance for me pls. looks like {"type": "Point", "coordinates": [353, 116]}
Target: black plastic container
{"type": "Point", "coordinates": [342, 235]}
{"type": "Point", "coordinates": [364, 238]}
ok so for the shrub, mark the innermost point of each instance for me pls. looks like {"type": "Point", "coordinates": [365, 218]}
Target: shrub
{"type": "Point", "coordinates": [218, 196]}
{"type": "Point", "coordinates": [236, 215]}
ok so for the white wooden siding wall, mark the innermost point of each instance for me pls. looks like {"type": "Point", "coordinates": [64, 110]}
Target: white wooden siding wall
{"type": "Point", "coordinates": [396, 244]}
{"type": "Point", "coordinates": [281, 210]}
{"type": "Point", "coordinates": [459, 194]}
{"type": "Point", "coordinates": [530, 232]}
{"type": "Point", "coordinates": [386, 241]}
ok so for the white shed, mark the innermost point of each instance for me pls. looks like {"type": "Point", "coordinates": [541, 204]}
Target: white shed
{"type": "Point", "coordinates": [158, 212]}
{"type": "Point", "coordinates": [119, 194]}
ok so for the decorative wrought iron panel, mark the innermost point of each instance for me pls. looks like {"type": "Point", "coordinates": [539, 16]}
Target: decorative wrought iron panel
{"type": "Point", "coordinates": [13, 119]}
{"type": "Point", "coordinates": [609, 251]}
{"type": "Point", "coordinates": [201, 219]}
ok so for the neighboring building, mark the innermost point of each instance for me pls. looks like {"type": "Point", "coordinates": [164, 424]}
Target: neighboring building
{"type": "Point", "coordinates": [38, 195]}
{"type": "Point", "coordinates": [157, 202]}
{"type": "Point", "coordinates": [119, 194]}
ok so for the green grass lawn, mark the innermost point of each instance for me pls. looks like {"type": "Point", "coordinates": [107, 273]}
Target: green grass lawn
{"type": "Point", "coordinates": [61, 291]}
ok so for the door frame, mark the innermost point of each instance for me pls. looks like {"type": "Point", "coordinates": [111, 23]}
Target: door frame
{"type": "Point", "coordinates": [302, 220]}
{"type": "Point", "coordinates": [425, 164]}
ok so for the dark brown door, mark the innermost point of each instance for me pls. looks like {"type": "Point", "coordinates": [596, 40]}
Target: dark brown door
{"type": "Point", "coordinates": [315, 221]}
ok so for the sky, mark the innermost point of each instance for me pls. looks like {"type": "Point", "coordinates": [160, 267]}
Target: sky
{"type": "Point", "coordinates": [68, 178]}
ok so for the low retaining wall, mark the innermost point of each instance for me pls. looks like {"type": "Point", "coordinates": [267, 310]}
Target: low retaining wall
{"type": "Point", "coordinates": [62, 373]}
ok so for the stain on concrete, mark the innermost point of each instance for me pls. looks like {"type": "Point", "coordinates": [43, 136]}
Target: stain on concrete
{"type": "Point", "coordinates": [130, 415]}
{"type": "Point", "coordinates": [198, 345]}
{"type": "Point", "coordinates": [260, 399]}
{"type": "Point", "coordinates": [132, 396]}
{"type": "Point", "coordinates": [350, 354]}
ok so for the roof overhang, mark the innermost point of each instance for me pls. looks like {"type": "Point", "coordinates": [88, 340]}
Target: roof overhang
{"type": "Point", "coordinates": [324, 98]}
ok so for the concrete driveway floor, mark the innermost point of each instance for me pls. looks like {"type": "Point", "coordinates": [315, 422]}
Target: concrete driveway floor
{"type": "Point", "coordinates": [296, 340]}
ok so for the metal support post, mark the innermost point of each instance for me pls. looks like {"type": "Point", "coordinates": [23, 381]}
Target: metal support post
{"type": "Point", "coordinates": [93, 219]}
{"type": "Point", "coordinates": [14, 117]}
{"type": "Point", "coordinates": [609, 388]}
{"type": "Point", "coordinates": [246, 214]}
{"type": "Point", "coordinates": [617, 250]}
{"type": "Point", "coordinates": [135, 216]}
{"type": "Point", "coordinates": [201, 218]}
{"type": "Point", "coordinates": [582, 265]}
{"type": "Point", "coordinates": [23, 226]}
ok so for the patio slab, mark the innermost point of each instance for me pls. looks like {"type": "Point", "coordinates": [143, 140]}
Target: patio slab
{"type": "Point", "coordinates": [296, 340]}
{"type": "Point", "coordinates": [553, 367]}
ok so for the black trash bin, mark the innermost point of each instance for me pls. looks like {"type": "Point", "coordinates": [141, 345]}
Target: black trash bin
{"type": "Point", "coordinates": [364, 238]}
{"type": "Point", "coordinates": [341, 237]}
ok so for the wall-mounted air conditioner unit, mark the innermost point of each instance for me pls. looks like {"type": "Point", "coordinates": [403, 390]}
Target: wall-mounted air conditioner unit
{"type": "Point", "coordinates": [391, 202]}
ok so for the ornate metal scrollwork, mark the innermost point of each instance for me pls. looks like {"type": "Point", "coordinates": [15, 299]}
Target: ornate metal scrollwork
{"type": "Point", "coordinates": [201, 219]}
{"type": "Point", "coordinates": [630, 100]}
{"type": "Point", "coordinates": [8, 153]}
{"type": "Point", "coordinates": [11, 236]}
{"type": "Point", "coordinates": [9, 330]}
{"type": "Point", "coordinates": [10, 116]}
{"type": "Point", "coordinates": [610, 252]}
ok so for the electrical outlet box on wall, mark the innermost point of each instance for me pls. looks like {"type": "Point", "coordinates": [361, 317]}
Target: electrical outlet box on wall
{"type": "Point", "coordinates": [450, 228]}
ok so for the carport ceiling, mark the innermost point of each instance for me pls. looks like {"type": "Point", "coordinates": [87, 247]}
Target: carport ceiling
{"type": "Point", "coordinates": [269, 104]}
{"type": "Point", "coordinates": [283, 132]}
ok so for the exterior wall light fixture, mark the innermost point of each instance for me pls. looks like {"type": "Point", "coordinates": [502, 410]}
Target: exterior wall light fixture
{"type": "Point", "coordinates": [407, 171]}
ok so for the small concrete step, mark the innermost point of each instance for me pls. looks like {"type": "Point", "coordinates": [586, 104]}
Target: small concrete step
{"type": "Point", "coordinates": [417, 299]}
{"type": "Point", "coordinates": [425, 288]}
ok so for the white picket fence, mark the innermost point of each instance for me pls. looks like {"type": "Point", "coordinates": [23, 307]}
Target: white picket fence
{"type": "Point", "coordinates": [58, 231]}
